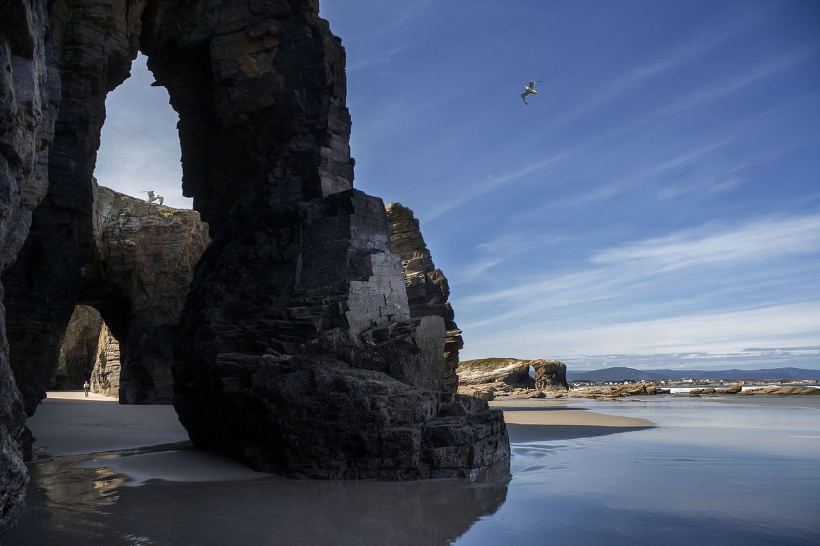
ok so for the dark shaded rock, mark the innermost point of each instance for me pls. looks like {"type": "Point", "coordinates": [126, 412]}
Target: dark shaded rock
{"type": "Point", "coordinates": [29, 89]}
{"type": "Point", "coordinates": [79, 350]}
{"type": "Point", "coordinates": [550, 375]}
{"type": "Point", "coordinates": [298, 298]}
{"type": "Point", "coordinates": [427, 288]}
{"type": "Point", "coordinates": [93, 42]}
{"type": "Point", "coordinates": [390, 430]}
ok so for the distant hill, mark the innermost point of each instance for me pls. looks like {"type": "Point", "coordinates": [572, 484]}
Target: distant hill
{"type": "Point", "coordinates": [621, 373]}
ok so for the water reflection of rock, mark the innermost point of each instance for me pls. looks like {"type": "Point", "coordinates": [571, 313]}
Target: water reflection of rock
{"type": "Point", "coordinates": [68, 505]}
{"type": "Point", "coordinates": [71, 500]}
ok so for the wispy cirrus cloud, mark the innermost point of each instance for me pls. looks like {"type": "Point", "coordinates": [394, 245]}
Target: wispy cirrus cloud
{"type": "Point", "coordinates": [767, 239]}
{"type": "Point", "coordinates": [494, 182]}
{"type": "Point", "coordinates": [694, 47]}
{"type": "Point", "coordinates": [748, 358]}
{"type": "Point", "coordinates": [686, 264]}
{"type": "Point", "coordinates": [712, 332]}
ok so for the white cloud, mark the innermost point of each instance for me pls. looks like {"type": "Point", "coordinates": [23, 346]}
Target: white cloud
{"type": "Point", "coordinates": [712, 266]}
{"type": "Point", "coordinates": [695, 47]}
{"type": "Point", "coordinates": [717, 332]}
{"type": "Point", "coordinates": [762, 239]}
{"type": "Point", "coordinates": [477, 189]}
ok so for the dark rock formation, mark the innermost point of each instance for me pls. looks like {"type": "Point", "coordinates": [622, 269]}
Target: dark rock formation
{"type": "Point", "coordinates": [105, 377]}
{"type": "Point", "coordinates": [297, 349]}
{"type": "Point", "coordinates": [79, 350]}
{"type": "Point", "coordinates": [427, 288]}
{"type": "Point", "coordinates": [144, 256]}
{"type": "Point", "coordinates": [550, 375]}
{"type": "Point", "coordinates": [93, 44]}
{"type": "Point", "coordinates": [297, 329]}
{"type": "Point", "coordinates": [29, 88]}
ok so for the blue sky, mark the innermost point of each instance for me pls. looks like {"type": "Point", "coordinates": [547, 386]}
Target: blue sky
{"type": "Point", "coordinates": [657, 205]}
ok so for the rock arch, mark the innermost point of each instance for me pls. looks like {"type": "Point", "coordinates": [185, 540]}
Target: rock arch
{"type": "Point", "coordinates": [296, 350]}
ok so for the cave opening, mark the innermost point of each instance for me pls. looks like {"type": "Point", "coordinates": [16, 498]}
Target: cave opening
{"type": "Point", "coordinates": [90, 352]}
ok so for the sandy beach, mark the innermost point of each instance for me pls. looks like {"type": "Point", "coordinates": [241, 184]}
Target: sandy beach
{"type": "Point", "coordinates": [547, 420]}
{"type": "Point", "coordinates": [68, 424]}
{"type": "Point", "coordinates": [569, 457]}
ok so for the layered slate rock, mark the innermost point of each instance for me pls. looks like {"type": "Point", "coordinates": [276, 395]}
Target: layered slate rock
{"type": "Point", "coordinates": [79, 350]}
{"type": "Point", "coordinates": [144, 257]}
{"type": "Point", "coordinates": [105, 376]}
{"type": "Point", "coordinates": [427, 288]}
{"type": "Point", "coordinates": [297, 351]}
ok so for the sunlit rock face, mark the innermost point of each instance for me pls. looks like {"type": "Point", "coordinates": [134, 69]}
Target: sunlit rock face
{"type": "Point", "coordinates": [297, 342]}
{"type": "Point", "coordinates": [550, 375]}
{"type": "Point", "coordinates": [487, 378]}
{"type": "Point", "coordinates": [144, 257]}
{"type": "Point", "coordinates": [105, 376]}
{"type": "Point", "coordinates": [427, 288]}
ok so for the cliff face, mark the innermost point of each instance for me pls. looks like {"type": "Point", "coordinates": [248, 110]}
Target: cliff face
{"type": "Point", "coordinates": [29, 89]}
{"type": "Point", "coordinates": [138, 279]}
{"type": "Point", "coordinates": [427, 288]}
{"type": "Point", "coordinates": [105, 376]}
{"type": "Point", "coordinates": [144, 257]}
{"type": "Point", "coordinates": [297, 349]}
{"type": "Point", "coordinates": [91, 44]}
{"type": "Point", "coordinates": [79, 350]}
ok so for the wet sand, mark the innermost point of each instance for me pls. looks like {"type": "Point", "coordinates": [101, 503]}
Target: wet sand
{"type": "Point", "coordinates": [693, 477]}
{"type": "Point", "coordinates": [66, 423]}
{"type": "Point", "coordinates": [547, 420]}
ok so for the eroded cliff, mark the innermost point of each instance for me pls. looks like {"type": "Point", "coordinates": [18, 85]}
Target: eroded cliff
{"type": "Point", "coordinates": [427, 287]}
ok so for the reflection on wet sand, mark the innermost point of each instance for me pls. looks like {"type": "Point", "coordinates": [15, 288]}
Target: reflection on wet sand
{"type": "Point", "coordinates": [71, 505]}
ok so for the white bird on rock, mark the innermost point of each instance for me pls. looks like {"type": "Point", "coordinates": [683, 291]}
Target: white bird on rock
{"type": "Point", "coordinates": [154, 197]}
{"type": "Point", "coordinates": [529, 89]}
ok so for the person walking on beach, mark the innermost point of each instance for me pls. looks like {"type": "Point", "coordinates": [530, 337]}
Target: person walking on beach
{"type": "Point", "coordinates": [86, 388]}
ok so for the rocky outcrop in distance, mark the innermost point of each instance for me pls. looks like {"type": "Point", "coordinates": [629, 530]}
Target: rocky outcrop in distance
{"type": "Point", "coordinates": [427, 287]}
{"type": "Point", "coordinates": [487, 378]}
{"type": "Point", "coordinates": [298, 285]}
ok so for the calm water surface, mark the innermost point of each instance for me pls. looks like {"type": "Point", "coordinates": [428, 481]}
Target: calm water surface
{"type": "Point", "coordinates": [723, 471]}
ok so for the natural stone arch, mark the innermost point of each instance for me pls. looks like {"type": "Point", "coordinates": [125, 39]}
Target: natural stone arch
{"type": "Point", "coordinates": [144, 257]}
{"type": "Point", "coordinates": [296, 351]}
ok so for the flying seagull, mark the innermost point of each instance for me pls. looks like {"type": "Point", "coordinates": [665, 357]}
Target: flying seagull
{"type": "Point", "coordinates": [154, 197]}
{"type": "Point", "coordinates": [528, 90]}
